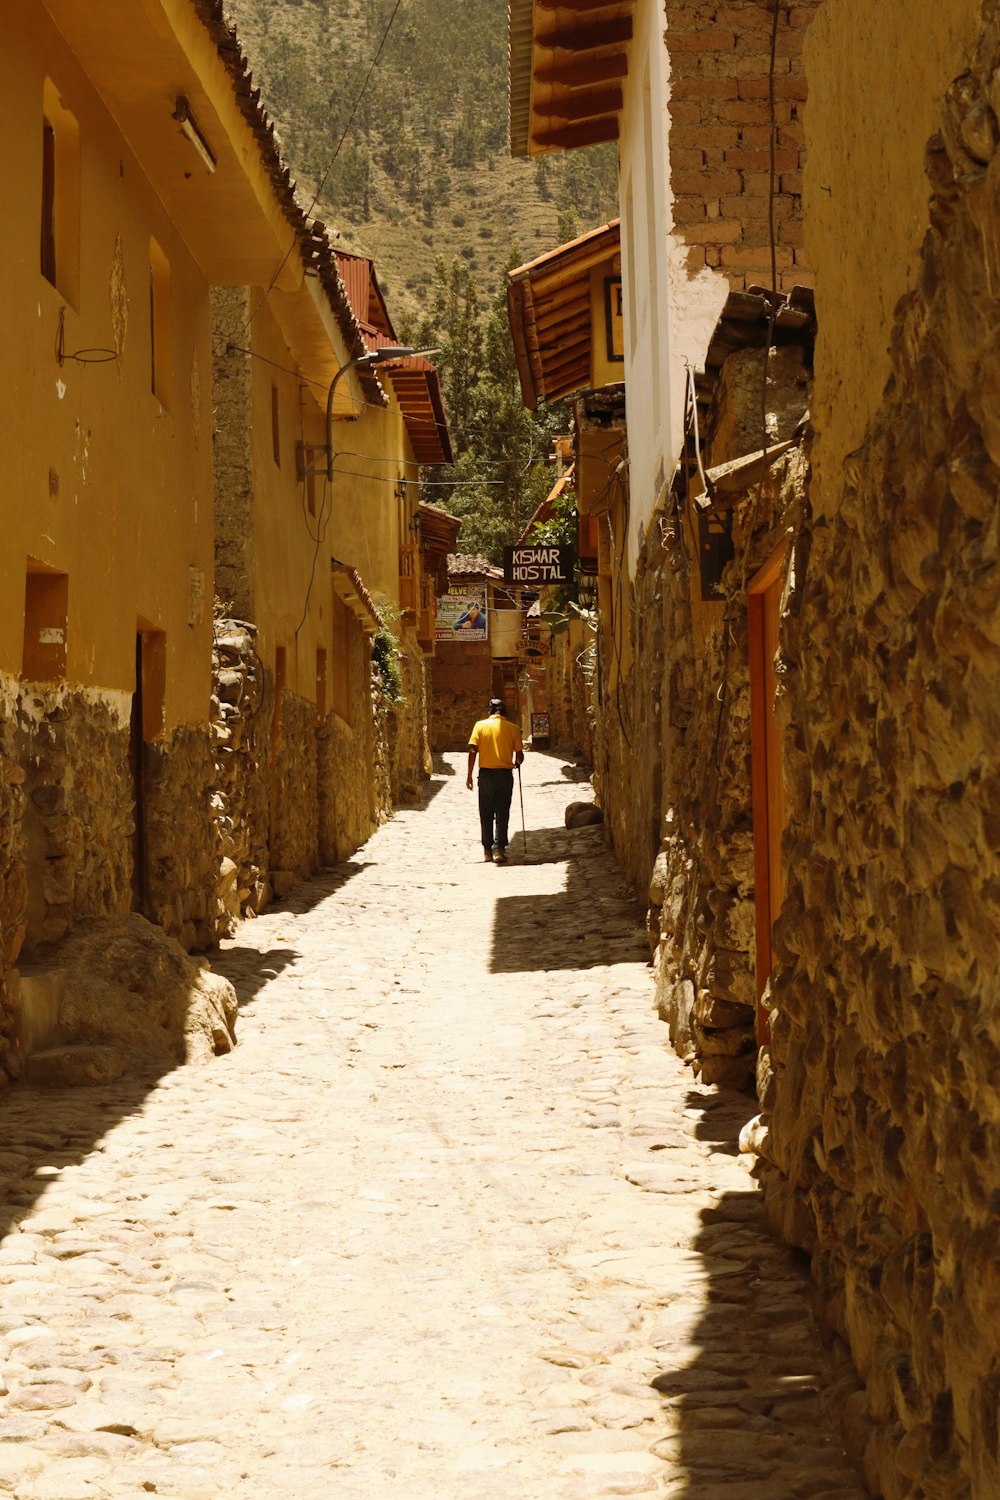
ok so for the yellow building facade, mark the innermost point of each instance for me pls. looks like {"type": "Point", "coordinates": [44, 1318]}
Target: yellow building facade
{"type": "Point", "coordinates": [174, 325]}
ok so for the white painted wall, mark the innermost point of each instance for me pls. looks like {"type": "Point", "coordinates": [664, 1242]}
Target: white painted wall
{"type": "Point", "coordinates": [669, 315]}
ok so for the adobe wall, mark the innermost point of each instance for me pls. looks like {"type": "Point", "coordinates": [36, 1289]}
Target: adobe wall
{"type": "Point", "coordinates": [883, 1153]}
{"type": "Point", "coordinates": [720, 135]}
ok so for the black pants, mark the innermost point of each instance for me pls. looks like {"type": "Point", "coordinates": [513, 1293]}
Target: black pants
{"type": "Point", "coordinates": [496, 788]}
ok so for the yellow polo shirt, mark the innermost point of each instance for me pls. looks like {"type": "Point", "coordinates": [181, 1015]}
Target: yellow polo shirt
{"type": "Point", "coordinates": [497, 740]}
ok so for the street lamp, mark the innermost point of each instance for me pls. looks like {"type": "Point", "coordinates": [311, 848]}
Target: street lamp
{"type": "Point", "coordinates": [373, 357]}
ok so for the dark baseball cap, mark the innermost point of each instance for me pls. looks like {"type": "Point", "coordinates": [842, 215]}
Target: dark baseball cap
{"type": "Point", "coordinates": [497, 704]}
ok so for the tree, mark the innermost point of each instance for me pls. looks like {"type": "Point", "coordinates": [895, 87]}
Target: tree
{"type": "Point", "coordinates": [500, 474]}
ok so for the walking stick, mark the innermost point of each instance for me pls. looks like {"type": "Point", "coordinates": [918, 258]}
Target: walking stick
{"type": "Point", "coordinates": [524, 832]}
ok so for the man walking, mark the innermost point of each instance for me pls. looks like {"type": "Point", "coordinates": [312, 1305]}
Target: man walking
{"type": "Point", "coordinates": [497, 741]}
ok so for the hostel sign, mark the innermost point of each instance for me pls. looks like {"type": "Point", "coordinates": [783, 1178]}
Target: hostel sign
{"type": "Point", "coordinates": [537, 565]}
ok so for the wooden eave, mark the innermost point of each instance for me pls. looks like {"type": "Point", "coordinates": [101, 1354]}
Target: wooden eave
{"type": "Point", "coordinates": [551, 319]}
{"type": "Point", "coordinates": [566, 61]}
{"type": "Point", "coordinates": [350, 587]}
{"type": "Point", "coordinates": [418, 391]}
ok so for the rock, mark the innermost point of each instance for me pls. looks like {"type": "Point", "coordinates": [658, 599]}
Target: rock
{"type": "Point", "coordinates": [61, 1067]}
{"type": "Point", "coordinates": [583, 815]}
{"type": "Point", "coordinates": [754, 1137]}
{"type": "Point", "coordinates": [131, 992]}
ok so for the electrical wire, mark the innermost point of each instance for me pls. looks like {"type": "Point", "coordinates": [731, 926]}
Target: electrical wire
{"type": "Point", "coordinates": [330, 164]}
{"type": "Point", "coordinates": [723, 695]}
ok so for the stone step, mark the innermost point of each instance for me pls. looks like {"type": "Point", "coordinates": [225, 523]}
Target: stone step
{"type": "Point", "coordinates": [36, 992]}
{"type": "Point", "coordinates": [61, 1067]}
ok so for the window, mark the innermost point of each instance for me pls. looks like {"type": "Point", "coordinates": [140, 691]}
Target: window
{"type": "Point", "coordinates": [46, 605]}
{"type": "Point", "coordinates": [59, 247]}
{"type": "Point", "coordinates": [160, 331]}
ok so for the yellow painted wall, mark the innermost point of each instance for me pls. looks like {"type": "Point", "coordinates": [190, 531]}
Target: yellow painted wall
{"type": "Point", "coordinates": [604, 370]}
{"type": "Point", "coordinates": [133, 513]}
{"type": "Point", "coordinates": [359, 519]}
{"type": "Point", "coordinates": [874, 101]}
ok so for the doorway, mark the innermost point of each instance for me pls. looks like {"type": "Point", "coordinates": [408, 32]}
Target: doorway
{"type": "Point", "coordinates": [147, 725]}
{"type": "Point", "coordinates": [764, 616]}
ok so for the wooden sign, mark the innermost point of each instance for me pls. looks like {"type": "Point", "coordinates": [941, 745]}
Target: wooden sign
{"type": "Point", "coordinates": [537, 565]}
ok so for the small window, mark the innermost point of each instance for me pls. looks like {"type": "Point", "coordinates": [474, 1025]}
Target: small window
{"type": "Point", "coordinates": [46, 607]}
{"type": "Point", "coordinates": [48, 202]}
{"type": "Point", "coordinates": [275, 426]}
{"type": "Point", "coordinates": [59, 248]}
{"type": "Point", "coordinates": [160, 330]}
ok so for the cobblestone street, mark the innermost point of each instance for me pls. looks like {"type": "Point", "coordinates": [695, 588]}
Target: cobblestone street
{"type": "Point", "coordinates": [451, 1223]}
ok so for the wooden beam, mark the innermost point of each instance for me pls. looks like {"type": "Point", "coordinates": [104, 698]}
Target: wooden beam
{"type": "Point", "coordinates": [587, 36]}
{"type": "Point", "coordinates": [555, 327]}
{"type": "Point", "coordinates": [567, 137]}
{"type": "Point", "coordinates": [580, 312]}
{"type": "Point", "coordinates": [580, 6]}
{"type": "Point", "coordinates": [580, 106]}
{"type": "Point", "coordinates": [570, 267]}
{"type": "Point", "coordinates": [580, 74]}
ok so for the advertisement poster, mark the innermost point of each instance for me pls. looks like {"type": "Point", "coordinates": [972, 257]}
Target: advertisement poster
{"type": "Point", "coordinates": [461, 615]}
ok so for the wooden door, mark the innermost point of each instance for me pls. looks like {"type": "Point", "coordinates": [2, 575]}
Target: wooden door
{"type": "Point", "coordinates": [764, 605]}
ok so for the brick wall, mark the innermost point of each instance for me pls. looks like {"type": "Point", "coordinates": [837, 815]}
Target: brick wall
{"type": "Point", "coordinates": [720, 135]}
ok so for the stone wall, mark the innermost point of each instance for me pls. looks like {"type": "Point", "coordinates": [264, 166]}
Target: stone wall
{"type": "Point", "coordinates": [883, 1154]}
{"type": "Point", "coordinates": [462, 688]}
{"type": "Point", "coordinates": [407, 721]}
{"type": "Point", "coordinates": [672, 745]}
{"type": "Point", "coordinates": [13, 871]}
{"type": "Point", "coordinates": [294, 840]}
{"type": "Point", "coordinates": [567, 690]}
{"type": "Point", "coordinates": [73, 746]}
{"type": "Point", "coordinates": [703, 881]}
{"type": "Point", "coordinates": [355, 795]}
{"type": "Point", "coordinates": [242, 704]}
{"type": "Point", "coordinates": [183, 855]}
{"type": "Point", "coordinates": [232, 452]}
{"type": "Point", "coordinates": [720, 136]}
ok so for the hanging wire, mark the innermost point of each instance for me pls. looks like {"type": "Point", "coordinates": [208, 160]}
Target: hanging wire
{"type": "Point", "coordinates": [330, 164]}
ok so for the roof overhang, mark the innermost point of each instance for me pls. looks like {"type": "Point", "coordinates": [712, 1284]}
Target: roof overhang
{"type": "Point", "coordinates": [438, 535]}
{"type": "Point", "coordinates": [351, 588]}
{"type": "Point", "coordinates": [551, 313]}
{"type": "Point", "coordinates": [414, 380]}
{"type": "Point", "coordinates": [567, 61]}
{"type": "Point", "coordinates": [153, 63]}
{"type": "Point", "coordinates": [418, 391]}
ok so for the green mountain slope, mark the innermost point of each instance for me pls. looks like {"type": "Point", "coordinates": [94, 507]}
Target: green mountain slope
{"type": "Point", "coordinates": [424, 169]}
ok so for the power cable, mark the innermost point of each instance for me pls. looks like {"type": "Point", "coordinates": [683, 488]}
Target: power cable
{"type": "Point", "coordinates": [330, 164]}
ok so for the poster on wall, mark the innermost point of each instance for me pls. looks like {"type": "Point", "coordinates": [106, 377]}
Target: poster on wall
{"type": "Point", "coordinates": [461, 615]}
